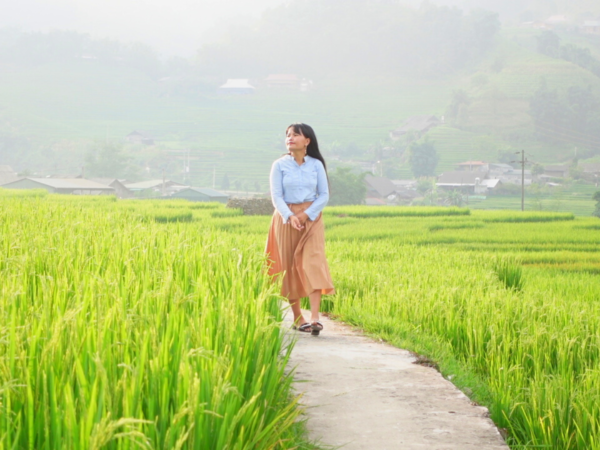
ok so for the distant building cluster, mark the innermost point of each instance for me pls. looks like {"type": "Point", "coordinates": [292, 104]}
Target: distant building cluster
{"type": "Point", "coordinates": [557, 21]}
{"type": "Point", "coordinates": [477, 178]}
{"type": "Point", "coordinates": [273, 81]}
{"type": "Point", "coordinates": [110, 186]}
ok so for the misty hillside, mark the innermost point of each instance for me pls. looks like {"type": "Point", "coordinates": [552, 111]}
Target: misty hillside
{"type": "Point", "coordinates": [371, 67]}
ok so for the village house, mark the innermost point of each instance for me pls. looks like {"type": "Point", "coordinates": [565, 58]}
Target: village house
{"type": "Point", "coordinates": [379, 187]}
{"type": "Point", "coordinates": [155, 187]}
{"type": "Point", "coordinates": [591, 172]}
{"type": "Point", "coordinates": [514, 177]}
{"type": "Point", "coordinates": [557, 20]}
{"type": "Point", "coordinates": [467, 182]}
{"type": "Point", "coordinates": [236, 86]}
{"type": "Point", "coordinates": [289, 81]}
{"type": "Point", "coordinates": [382, 191]}
{"type": "Point", "coordinates": [120, 190]}
{"type": "Point", "coordinates": [557, 170]}
{"type": "Point", "coordinates": [473, 166]}
{"type": "Point", "coordinates": [419, 124]}
{"type": "Point", "coordinates": [195, 194]}
{"type": "Point", "coordinates": [139, 137]}
{"type": "Point", "coordinates": [591, 27]}
{"type": "Point", "coordinates": [73, 186]}
{"type": "Point", "coordinates": [496, 169]}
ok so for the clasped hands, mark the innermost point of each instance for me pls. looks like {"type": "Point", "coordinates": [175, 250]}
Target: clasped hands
{"type": "Point", "coordinates": [297, 221]}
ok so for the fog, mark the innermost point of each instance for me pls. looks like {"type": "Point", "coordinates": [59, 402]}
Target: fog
{"type": "Point", "coordinates": [177, 27]}
{"type": "Point", "coordinates": [187, 89]}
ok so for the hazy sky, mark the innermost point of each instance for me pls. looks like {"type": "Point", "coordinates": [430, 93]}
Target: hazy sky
{"type": "Point", "coordinates": [170, 26]}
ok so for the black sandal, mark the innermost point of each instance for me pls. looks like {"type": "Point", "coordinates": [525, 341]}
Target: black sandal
{"type": "Point", "coordinates": [305, 327]}
{"type": "Point", "coordinates": [316, 328]}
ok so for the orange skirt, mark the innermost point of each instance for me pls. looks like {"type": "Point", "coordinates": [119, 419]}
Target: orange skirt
{"type": "Point", "coordinates": [299, 255]}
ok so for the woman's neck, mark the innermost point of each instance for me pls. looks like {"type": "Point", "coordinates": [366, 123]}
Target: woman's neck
{"type": "Point", "coordinates": [298, 155]}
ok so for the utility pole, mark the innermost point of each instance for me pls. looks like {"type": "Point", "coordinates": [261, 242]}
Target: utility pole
{"type": "Point", "coordinates": [523, 161]}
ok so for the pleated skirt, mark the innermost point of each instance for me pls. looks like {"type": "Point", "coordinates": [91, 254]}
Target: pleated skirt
{"type": "Point", "coordinates": [299, 255]}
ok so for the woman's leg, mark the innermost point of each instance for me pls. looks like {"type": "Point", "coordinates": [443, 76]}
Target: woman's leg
{"type": "Point", "coordinates": [298, 318]}
{"type": "Point", "coordinates": [315, 305]}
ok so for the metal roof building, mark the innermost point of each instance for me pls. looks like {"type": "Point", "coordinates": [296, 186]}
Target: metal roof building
{"type": "Point", "coordinates": [237, 86]}
{"type": "Point", "coordinates": [201, 195]}
{"type": "Point", "coordinates": [76, 186]}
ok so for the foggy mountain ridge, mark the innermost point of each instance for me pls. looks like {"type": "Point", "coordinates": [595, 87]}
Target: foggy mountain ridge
{"type": "Point", "coordinates": [396, 62]}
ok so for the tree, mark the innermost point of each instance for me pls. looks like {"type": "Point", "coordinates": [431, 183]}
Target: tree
{"type": "Point", "coordinates": [107, 159]}
{"type": "Point", "coordinates": [596, 197]}
{"type": "Point", "coordinates": [458, 110]}
{"type": "Point", "coordinates": [346, 187]}
{"type": "Point", "coordinates": [548, 43]}
{"type": "Point", "coordinates": [225, 182]}
{"type": "Point", "coordinates": [454, 198]}
{"type": "Point", "coordinates": [423, 158]}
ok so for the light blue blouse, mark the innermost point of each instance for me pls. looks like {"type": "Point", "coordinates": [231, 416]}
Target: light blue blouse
{"type": "Point", "coordinates": [293, 183]}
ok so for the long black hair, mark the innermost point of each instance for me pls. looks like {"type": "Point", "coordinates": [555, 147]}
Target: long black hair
{"type": "Point", "coordinates": [313, 148]}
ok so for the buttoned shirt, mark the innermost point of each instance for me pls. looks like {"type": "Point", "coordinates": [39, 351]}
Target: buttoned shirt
{"type": "Point", "coordinates": [292, 184]}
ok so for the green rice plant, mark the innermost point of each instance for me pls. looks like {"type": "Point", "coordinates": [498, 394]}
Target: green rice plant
{"type": "Point", "coordinates": [395, 211]}
{"type": "Point", "coordinates": [509, 271]}
{"type": "Point", "coordinates": [118, 333]}
{"type": "Point", "coordinates": [229, 212]}
{"type": "Point", "coordinates": [8, 193]}
{"type": "Point", "coordinates": [172, 215]}
{"type": "Point", "coordinates": [516, 216]}
{"type": "Point", "coordinates": [206, 205]}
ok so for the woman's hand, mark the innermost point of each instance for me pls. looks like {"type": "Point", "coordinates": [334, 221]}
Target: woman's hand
{"type": "Point", "coordinates": [303, 217]}
{"type": "Point", "coordinates": [296, 223]}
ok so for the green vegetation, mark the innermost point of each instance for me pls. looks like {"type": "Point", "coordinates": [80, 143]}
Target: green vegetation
{"type": "Point", "coordinates": [121, 332]}
{"type": "Point", "coordinates": [347, 188]}
{"type": "Point", "coordinates": [507, 308]}
{"type": "Point", "coordinates": [423, 158]}
{"type": "Point", "coordinates": [120, 327]}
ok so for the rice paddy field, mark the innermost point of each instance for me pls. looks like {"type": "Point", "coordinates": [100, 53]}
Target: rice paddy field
{"type": "Point", "coordinates": [150, 324]}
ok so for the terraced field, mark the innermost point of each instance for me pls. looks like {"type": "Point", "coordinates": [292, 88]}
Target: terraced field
{"type": "Point", "coordinates": [151, 323]}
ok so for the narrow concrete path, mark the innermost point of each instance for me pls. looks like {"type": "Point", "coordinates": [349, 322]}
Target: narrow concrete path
{"type": "Point", "coordinates": [363, 394]}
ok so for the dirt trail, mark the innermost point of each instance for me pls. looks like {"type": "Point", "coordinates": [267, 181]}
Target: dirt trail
{"type": "Point", "coordinates": [363, 394]}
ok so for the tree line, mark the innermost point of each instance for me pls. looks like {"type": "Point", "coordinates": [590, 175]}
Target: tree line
{"type": "Point", "coordinates": [572, 116]}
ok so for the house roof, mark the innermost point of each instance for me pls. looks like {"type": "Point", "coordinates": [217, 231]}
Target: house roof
{"type": "Point", "coordinates": [591, 167]}
{"type": "Point", "coordinates": [404, 183]}
{"type": "Point", "coordinates": [417, 123]}
{"type": "Point", "coordinates": [501, 166]}
{"type": "Point", "coordinates": [491, 183]}
{"type": "Point", "coordinates": [206, 191]}
{"type": "Point", "coordinates": [557, 167]}
{"type": "Point", "coordinates": [237, 83]}
{"type": "Point", "coordinates": [370, 201]}
{"type": "Point", "coordinates": [559, 18]}
{"type": "Point", "coordinates": [472, 163]}
{"type": "Point", "coordinates": [140, 186]}
{"type": "Point", "coordinates": [459, 178]}
{"type": "Point", "coordinates": [383, 186]}
{"type": "Point", "coordinates": [107, 181]}
{"type": "Point", "coordinates": [68, 183]}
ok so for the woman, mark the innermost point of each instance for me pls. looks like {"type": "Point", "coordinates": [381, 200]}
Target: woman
{"type": "Point", "coordinates": [296, 241]}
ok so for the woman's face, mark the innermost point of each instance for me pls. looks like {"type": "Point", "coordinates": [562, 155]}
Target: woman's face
{"type": "Point", "coordinates": [295, 141]}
